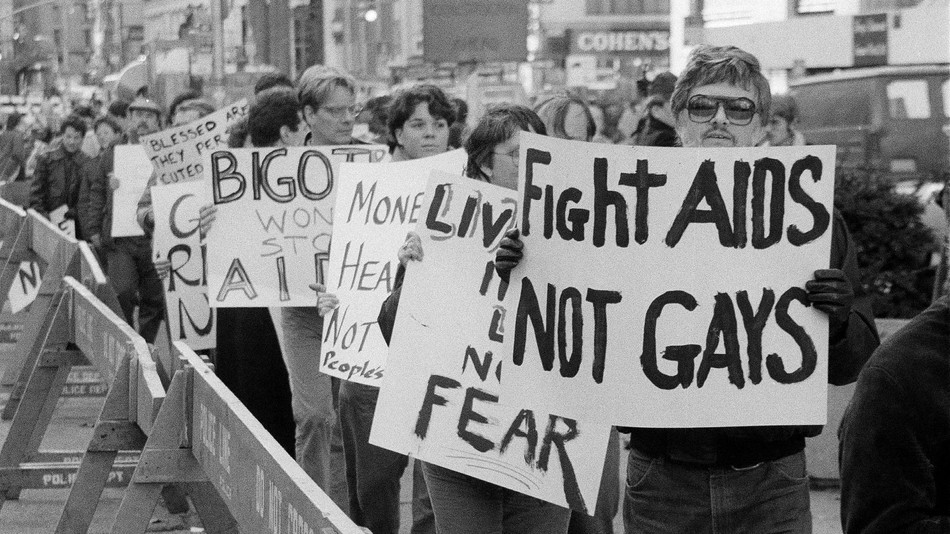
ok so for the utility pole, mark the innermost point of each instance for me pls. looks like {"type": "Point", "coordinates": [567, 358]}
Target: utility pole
{"type": "Point", "coordinates": [217, 34]}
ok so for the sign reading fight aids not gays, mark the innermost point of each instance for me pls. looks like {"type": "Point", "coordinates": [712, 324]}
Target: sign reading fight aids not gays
{"type": "Point", "coordinates": [664, 287]}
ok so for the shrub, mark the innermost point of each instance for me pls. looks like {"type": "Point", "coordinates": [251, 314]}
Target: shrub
{"type": "Point", "coordinates": [894, 247]}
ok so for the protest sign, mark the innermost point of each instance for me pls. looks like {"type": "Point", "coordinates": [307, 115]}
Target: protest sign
{"type": "Point", "coordinates": [176, 239]}
{"type": "Point", "coordinates": [376, 206]}
{"type": "Point", "coordinates": [132, 170]}
{"type": "Point", "coordinates": [271, 235]}
{"type": "Point", "coordinates": [665, 287]}
{"type": "Point", "coordinates": [177, 152]}
{"type": "Point", "coordinates": [58, 217]}
{"type": "Point", "coordinates": [439, 401]}
{"type": "Point", "coordinates": [25, 287]}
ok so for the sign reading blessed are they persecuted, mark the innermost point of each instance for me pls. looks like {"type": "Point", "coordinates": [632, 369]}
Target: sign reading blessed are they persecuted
{"type": "Point", "coordinates": [440, 399]}
{"type": "Point", "coordinates": [271, 236]}
{"type": "Point", "coordinates": [664, 287]}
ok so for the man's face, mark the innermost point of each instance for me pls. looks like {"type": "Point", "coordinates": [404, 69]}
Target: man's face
{"type": "Point", "coordinates": [778, 129]}
{"type": "Point", "coordinates": [720, 130]}
{"type": "Point", "coordinates": [72, 139]}
{"type": "Point", "coordinates": [143, 122]}
{"type": "Point", "coordinates": [106, 135]}
{"type": "Point", "coordinates": [332, 122]}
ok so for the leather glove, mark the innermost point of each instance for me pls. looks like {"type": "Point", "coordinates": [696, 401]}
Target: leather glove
{"type": "Point", "coordinates": [509, 253]}
{"type": "Point", "coordinates": [831, 292]}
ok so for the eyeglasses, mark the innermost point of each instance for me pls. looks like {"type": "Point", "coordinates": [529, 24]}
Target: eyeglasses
{"type": "Point", "coordinates": [702, 108]}
{"type": "Point", "coordinates": [341, 111]}
{"type": "Point", "coordinates": [513, 154]}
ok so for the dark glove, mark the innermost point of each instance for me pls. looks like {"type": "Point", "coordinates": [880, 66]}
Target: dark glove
{"type": "Point", "coordinates": [509, 253]}
{"type": "Point", "coordinates": [831, 293]}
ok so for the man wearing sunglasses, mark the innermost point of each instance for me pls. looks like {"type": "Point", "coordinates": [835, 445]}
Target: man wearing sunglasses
{"type": "Point", "coordinates": [741, 479]}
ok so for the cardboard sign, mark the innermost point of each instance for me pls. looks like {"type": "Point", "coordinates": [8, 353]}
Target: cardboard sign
{"type": "Point", "coordinates": [176, 239]}
{"type": "Point", "coordinates": [177, 153]}
{"type": "Point", "coordinates": [132, 170]}
{"type": "Point", "coordinates": [376, 206]}
{"type": "Point", "coordinates": [271, 235]}
{"type": "Point", "coordinates": [664, 287]}
{"type": "Point", "coordinates": [26, 285]}
{"type": "Point", "coordinates": [439, 401]}
{"type": "Point", "coordinates": [58, 217]}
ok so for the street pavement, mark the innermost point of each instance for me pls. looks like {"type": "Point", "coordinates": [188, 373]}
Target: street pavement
{"type": "Point", "coordinates": [37, 511]}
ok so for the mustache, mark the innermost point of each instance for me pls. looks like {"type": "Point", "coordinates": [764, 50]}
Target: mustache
{"type": "Point", "coordinates": [716, 129]}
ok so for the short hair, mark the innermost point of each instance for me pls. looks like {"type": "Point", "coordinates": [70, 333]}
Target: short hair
{"type": "Point", "coordinates": [109, 121]}
{"type": "Point", "coordinates": [317, 82]}
{"type": "Point", "coordinates": [722, 64]}
{"type": "Point", "coordinates": [405, 102]}
{"type": "Point", "coordinates": [13, 120]}
{"type": "Point", "coordinates": [782, 106]}
{"type": "Point", "coordinates": [273, 108]}
{"type": "Point", "coordinates": [202, 106]}
{"type": "Point", "coordinates": [237, 133]}
{"type": "Point", "coordinates": [75, 122]}
{"type": "Point", "coordinates": [272, 79]}
{"type": "Point", "coordinates": [461, 109]}
{"type": "Point", "coordinates": [378, 108]}
{"type": "Point", "coordinates": [84, 112]}
{"type": "Point", "coordinates": [553, 112]}
{"type": "Point", "coordinates": [184, 96]}
{"type": "Point", "coordinates": [118, 108]}
{"type": "Point", "coordinates": [495, 127]}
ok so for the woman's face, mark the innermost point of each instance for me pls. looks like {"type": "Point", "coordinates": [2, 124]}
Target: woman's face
{"type": "Point", "coordinates": [423, 134]}
{"type": "Point", "coordinates": [504, 168]}
{"type": "Point", "coordinates": [106, 135]}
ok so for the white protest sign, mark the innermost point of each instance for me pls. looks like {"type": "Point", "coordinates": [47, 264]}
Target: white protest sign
{"type": "Point", "coordinates": [58, 217]}
{"type": "Point", "coordinates": [177, 152]}
{"type": "Point", "coordinates": [664, 287]}
{"type": "Point", "coordinates": [376, 205]}
{"type": "Point", "coordinates": [176, 239]}
{"type": "Point", "coordinates": [439, 401]}
{"type": "Point", "coordinates": [25, 287]}
{"type": "Point", "coordinates": [132, 169]}
{"type": "Point", "coordinates": [271, 236]}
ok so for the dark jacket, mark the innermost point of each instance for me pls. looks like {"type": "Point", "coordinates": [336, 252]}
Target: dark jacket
{"type": "Point", "coordinates": [745, 446]}
{"type": "Point", "coordinates": [12, 156]}
{"type": "Point", "coordinates": [895, 435]}
{"type": "Point", "coordinates": [96, 214]}
{"type": "Point", "coordinates": [654, 132]}
{"type": "Point", "coordinates": [387, 312]}
{"type": "Point", "coordinates": [56, 181]}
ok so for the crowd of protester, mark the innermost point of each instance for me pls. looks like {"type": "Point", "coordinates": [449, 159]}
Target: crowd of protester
{"type": "Point", "coordinates": [895, 438]}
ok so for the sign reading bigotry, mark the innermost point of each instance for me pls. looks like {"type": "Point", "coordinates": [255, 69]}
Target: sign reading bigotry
{"type": "Point", "coordinates": [665, 287]}
{"type": "Point", "coordinates": [440, 399]}
{"type": "Point", "coordinates": [375, 207]}
{"type": "Point", "coordinates": [177, 240]}
{"type": "Point", "coordinates": [271, 236]}
{"type": "Point", "coordinates": [177, 153]}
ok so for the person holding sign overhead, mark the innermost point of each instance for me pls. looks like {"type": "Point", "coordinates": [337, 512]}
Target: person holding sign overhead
{"type": "Point", "coordinates": [741, 479]}
{"type": "Point", "coordinates": [419, 120]}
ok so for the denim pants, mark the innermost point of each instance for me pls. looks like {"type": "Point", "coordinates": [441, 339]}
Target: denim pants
{"type": "Point", "coordinates": [373, 473]}
{"type": "Point", "coordinates": [135, 281]}
{"type": "Point", "coordinates": [662, 496]}
{"type": "Point", "coordinates": [318, 441]}
{"type": "Point", "coordinates": [467, 505]}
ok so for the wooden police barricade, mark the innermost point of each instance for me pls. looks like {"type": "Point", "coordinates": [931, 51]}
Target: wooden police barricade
{"type": "Point", "coordinates": [76, 319]}
{"type": "Point", "coordinates": [14, 232]}
{"type": "Point", "coordinates": [62, 257]}
{"type": "Point", "coordinates": [238, 476]}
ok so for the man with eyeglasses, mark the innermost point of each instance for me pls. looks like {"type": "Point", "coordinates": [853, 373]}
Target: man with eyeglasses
{"type": "Point", "coordinates": [740, 479]}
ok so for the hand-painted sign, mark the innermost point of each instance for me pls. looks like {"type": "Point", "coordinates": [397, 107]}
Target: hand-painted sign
{"type": "Point", "coordinates": [375, 207]}
{"type": "Point", "coordinates": [132, 170]}
{"type": "Point", "coordinates": [665, 287]}
{"type": "Point", "coordinates": [271, 235]}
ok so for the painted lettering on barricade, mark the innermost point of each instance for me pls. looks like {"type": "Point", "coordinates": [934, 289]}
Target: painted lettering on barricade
{"type": "Point", "coordinates": [101, 340]}
{"type": "Point", "coordinates": [26, 285]}
{"type": "Point", "coordinates": [132, 170]}
{"type": "Point", "coordinates": [177, 152]}
{"type": "Point", "coordinates": [376, 206]}
{"type": "Point", "coordinates": [177, 240]}
{"type": "Point", "coordinates": [271, 236]}
{"type": "Point", "coordinates": [665, 287]}
{"type": "Point", "coordinates": [440, 399]}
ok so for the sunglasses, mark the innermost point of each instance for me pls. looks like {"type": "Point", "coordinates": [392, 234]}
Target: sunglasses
{"type": "Point", "coordinates": [702, 108]}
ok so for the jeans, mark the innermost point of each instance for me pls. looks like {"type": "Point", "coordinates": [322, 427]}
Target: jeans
{"type": "Point", "coordinates": [319, 444]}
{"type": "Point", "coordinates": [135, 281]}
{"type": "Point", "coordinates": [608, 497]}
{"type": "Point", "coordinates": [467, 505]}
{"type": "Point", "coordinates": [662, 496]}
{"type": "Point", "coordinates": [373, 473]}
